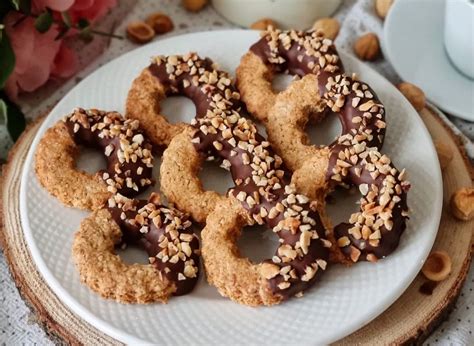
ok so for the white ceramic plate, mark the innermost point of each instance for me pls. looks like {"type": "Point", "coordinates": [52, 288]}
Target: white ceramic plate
{"type": "Point", "coordinates": [343, 302]}
{"type": "Point", "coordinates": [413, 42]}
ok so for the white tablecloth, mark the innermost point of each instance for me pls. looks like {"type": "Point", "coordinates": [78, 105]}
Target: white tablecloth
{"type": "Point", "coordinates": [17, 326]}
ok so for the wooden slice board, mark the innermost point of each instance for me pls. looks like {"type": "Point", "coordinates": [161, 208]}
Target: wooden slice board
{"type": "Point", "coordinates": [410, 319]}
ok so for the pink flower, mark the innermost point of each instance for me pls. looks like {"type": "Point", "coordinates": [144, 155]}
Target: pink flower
{"type": "Point", "coordinates": [90, 9]}
{"type": "Point", "coordinates": [38, 6]}
{"type": "Point", "coordinates": [37, 56]}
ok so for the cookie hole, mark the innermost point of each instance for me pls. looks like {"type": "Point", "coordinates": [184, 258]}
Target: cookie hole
{"type": "Point", "coordinates": [325, 131]}
{"type": "Point", "coordinates": [281, 81]}
{"type": "Point", "coordinates": [132, 254]}
{"type": "Point", "coordinates": [341, 203]}
{"type": "Point", "coordinates": [215, 178]}
{"type": "Point", "coordinates": [90, 160]}
{"type": "Point", "coordinates": [257, 243]}
{"type": "Point", "coordinates": [178, 109]}
{"type": "Point", "coordinates": [261, 128]}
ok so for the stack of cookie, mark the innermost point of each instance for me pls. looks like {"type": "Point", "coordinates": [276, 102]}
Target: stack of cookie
{"type": "Point", "coordinates": [281, 182]}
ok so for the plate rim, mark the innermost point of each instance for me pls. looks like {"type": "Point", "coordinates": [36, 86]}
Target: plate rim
{"type": "Point", "coordinates": [450, 108]}
{"type": "Point", "coordinates": [105, 326]}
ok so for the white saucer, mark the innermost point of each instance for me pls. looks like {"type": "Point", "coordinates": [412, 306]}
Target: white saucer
{"type": "Point", "coordinates": [413, 42]}
{"type": "Point", "coordinates": [347, 298]}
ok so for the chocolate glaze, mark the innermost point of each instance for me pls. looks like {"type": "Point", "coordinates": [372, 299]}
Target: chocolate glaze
{"type": "Point", "coordinates": [310, 64]}
{"type": "Point", "coordinates": [291, 63]}
{"type": "Point", "coordinates": [363, 123]}
{"type": "Point", "coordinates": [262, 182]}
{"type": "Point", "coordinates": [110, 133]}
{"type": "Point", "coordinates": [124, 212]}
{"type": "Point", "coordinates": [389, 239]}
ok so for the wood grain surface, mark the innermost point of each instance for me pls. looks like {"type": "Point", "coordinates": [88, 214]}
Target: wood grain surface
{"type": "Point", "coordinates": [409, 320]}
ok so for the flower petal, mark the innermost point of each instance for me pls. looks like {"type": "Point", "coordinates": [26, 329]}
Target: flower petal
{"type": "Point", "coordinates": [21, 39]}
{"type": "Point", "coordinates": [55, 5]}
{"type": "Point", "coordinates": [65, 63]}
{"type": "Point", "coordinates": [11, 87]}
{"type": "Point", "coordinates": [95, 11]}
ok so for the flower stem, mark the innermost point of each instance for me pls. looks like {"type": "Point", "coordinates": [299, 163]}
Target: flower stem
{"type": "Point", "coordinates": [19, 21]}
{"type": "Point", "coordinates": [92, 31]}
{"type": "Point", "coordinates": [101, 33]}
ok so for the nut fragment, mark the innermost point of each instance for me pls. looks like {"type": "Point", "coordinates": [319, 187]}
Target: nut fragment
{"type": "Point", "coordinates": [462, 203]}
{"type": "Point", "coordinates": [154, 198]}
{"type": "Point", "coordinates": [140, 32]}
{"type": "Point", "coordinates": [343, 241]}
{"type": "Point", "coordinates": [263, 24]}
{"type": "Point", "coordinates": [437, 266]}
{"type": "Point", "coordinates": [367, 47]}
{"type": "Point", "coordinates": [445, 154]}
{"type": "Point", "coordinates": [160, 22]}
{"type": "Point", "coordinates": [413, 94]}
{"type": "Point", "coordinates": [269, 270]}
{"type": "Point", "coordinates": [382, 7]}
{"type": "Point", "coordinates": [194, 5]}
{"type": "Point", "coordinates": [355, 254]}
{"type": "Point", "coordinates": [329, 26]}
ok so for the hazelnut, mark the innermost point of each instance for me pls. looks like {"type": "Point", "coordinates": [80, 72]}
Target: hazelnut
{"type": "Point", "coordinates": [140, 32]}
{"type": "Point", "coordinates": [355, 254]}
{"type": "Point", "coordinates": [154, 198]}
{"type": "Point", "coordinates": [269, 270]}
{"type": "Point", "coordinates": [445, 154]}
{"type": "Point", "coordinates": [382, 7]}
{"type": "Point", "coordinates": [413, 94]}
{"type": "Point", "coordinates": [194, 5]}
{"type": "Point", "coordinates": [372, 258]}
{"type": "Point", "coordinates": [328, 26]}
{"type": "Point", "coordinates": [367, 47]}
{"type": "Point", "coordinates": [263, 24]}
{"type": "Point", "coordinates": [462, 204]}
{"type": "Point", "coordinates": [437, 266]}
{"type": "Point", "coordinates": [160, 22]}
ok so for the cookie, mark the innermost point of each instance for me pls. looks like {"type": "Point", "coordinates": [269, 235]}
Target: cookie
{"type": "Point", "coordinates": [298, 263]}
{"type": "Point", "coordinates": [353, 159]}
{"type": "Point", "coordinates": [143, 104]}
{"type": "Point", "coordinates": [262, 193]}
{"type": "Point", "coordinates": [164, 233]}
{"type": "Point", "coordinates": [126, 151]}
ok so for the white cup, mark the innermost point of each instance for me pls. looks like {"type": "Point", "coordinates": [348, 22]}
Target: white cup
{"type": "Point", "coordinates": [459, 34]}
{"type": "Point", "coordinates": [294, 14]}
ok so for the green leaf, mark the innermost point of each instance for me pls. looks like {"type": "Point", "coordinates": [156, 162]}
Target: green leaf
{"type": "Point", "coordinates": [3, 112]}
{"type": "Point", "coordinates": [16, 122]}
{"type": "Point", "coordinates": [83, 23]}
{"type": "Point", "coordinates": [5, 7]}
{"type": "Point", "coordinates": [15, 4]}
{"type": "Point", "coordinates": [86, 35]}
{"type": "Point", "coordinates": [66, 19]}
{"type": "Point", "coordinates": [44, 22]}
{"type": "Point", "coordinates": [7, 60]}
{"type": "Point", "coordinates": [13, 117]}
{"type": "Point", "coordinates": [23, 6]}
